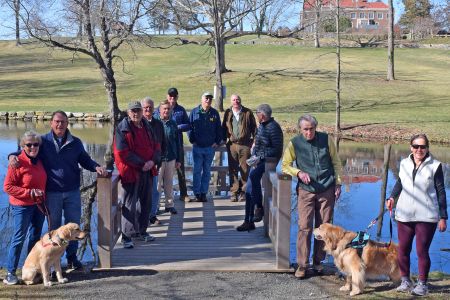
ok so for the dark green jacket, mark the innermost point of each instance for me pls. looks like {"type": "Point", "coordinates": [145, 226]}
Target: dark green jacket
{"type": "Point", "coordinates": [173, 147]}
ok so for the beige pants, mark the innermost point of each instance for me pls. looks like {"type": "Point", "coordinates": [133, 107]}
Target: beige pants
{"type": "Point", "coordinates": [312, 208]}
{"type": "Point", "coordinates": [165, 181]}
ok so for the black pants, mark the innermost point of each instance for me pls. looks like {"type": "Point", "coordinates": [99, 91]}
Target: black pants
{"type": "Point", "coordinates": [182, 177]}
{"type": "Point", "coordinates": [136, 203]}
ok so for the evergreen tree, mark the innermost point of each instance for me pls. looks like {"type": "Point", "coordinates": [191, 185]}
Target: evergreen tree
{"type": "Point", "coordinates": [415, 9]}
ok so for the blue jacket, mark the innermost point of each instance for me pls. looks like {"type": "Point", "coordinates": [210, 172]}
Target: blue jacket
{"type": "Point", "coordinates": [61, 164]}
{"type": "Point", "coordinates": [206, 128]}
{"type": "Point", "coordinates": [180, 116]}
{"type": "Point", "coordinates": [173, 149]}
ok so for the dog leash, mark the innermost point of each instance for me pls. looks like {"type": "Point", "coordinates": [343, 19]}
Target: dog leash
{"type": "Point", "coordinates": [374, 221]}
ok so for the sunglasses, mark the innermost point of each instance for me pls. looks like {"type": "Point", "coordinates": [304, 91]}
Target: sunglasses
{"type": "Point", "coordinates": [29, 145]}
{"type": "Point", "coordinates": [419, 146]}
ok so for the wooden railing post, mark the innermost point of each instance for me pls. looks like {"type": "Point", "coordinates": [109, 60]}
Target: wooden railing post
{"type": "Point", "coordinates": [283, 229]}
{"type": "Point", "coordinates": [270, 166]}
{"type": "Point", "coordinates": [105, 220]}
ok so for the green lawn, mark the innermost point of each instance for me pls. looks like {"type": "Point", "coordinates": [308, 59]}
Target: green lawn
{"type": "Point", "coordinates": [293, 79]}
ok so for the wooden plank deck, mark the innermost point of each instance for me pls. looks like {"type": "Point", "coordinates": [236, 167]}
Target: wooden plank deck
{"type": "Point", "coordinates": [201, 237]}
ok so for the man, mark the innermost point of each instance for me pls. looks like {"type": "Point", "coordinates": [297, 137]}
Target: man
{"type": "Point", "coordinates": [180, 116]}
{"type": "Point", "coordinates": [319, 186]}
{"type": "Point", "coordinates": [148, 107]}
{"type": "Point", "coordinates": [205, 135]}
{"type": "Point", "coordinates": [268, 145]}
{"type": "Point", "coordinates": [136, 153]}
{"type": "Point", "coordinates": [62, 154]}
{"type": "Point", "coordinates": [239, 126]}
{"type": "Point", "coordinates": [170, 158]}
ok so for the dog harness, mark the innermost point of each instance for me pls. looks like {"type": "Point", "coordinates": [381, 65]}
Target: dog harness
{"type": "Point", "coordinates": [359, 242]}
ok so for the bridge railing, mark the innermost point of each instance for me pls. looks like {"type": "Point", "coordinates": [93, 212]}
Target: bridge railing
{"type": "Point", "coordinates": [276, 197]}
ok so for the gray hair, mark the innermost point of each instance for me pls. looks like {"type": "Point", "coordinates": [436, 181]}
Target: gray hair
{"type": "Point", "coordinates": [237, 96]}
{"type": "Point", "coordinates": [308, 118]}
{"type": "Point", "coordinates": [148, 100]}
{"type": "Point", "coordinates": [265, 109]}
{"type": "Point", "coordinates": [30, 134]}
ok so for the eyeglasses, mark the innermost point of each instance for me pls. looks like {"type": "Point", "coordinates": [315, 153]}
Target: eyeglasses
{"type": "Point", "coordinates": [208, 98]}
{"type": "Point", "coordinates": [147, 108]}
{"type": "Point", "coordinates": [419, 146]}
{"type": "Point", "coordinates": [35, 145]}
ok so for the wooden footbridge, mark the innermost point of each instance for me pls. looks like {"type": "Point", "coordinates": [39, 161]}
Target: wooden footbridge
{"type": "Point", "coordinates": [202, 236]}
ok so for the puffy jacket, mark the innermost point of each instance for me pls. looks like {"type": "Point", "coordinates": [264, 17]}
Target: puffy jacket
{"type": "Point", "coordinates": [129, 164]}
{"type": "Point", "coordinates": [269, 140]}
{"type": "Point", "coordinates": [247, 127]}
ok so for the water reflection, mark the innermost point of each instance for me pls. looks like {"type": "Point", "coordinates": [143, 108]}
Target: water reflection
{"type": "Point", "coordinates": [359, 203]}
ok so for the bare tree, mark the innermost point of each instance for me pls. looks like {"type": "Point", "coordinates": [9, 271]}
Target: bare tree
{"type": "Point", "coordinates": [338, 69]}
{"type": "Point", "coordinates": [219, 19]}
{"type": "Point", "coordinates": [14, 5]}
{"type": "Point", "coordinates": [390, 70]}
{"type": "Point", "coordinates": [312, 17]}
{"type": "Point", "coordinates": [267, 15]}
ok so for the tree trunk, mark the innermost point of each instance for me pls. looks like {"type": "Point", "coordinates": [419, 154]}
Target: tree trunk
{"type": "Point", "coordinates": [338, 71]}
{"type": "Point", "coordinates": [220, 65]}
{"type": "Point", "coordinates": [390, 70]}
{"type": "Point", "coordinates": [17, 17]}
{"type": "Point", "coordinates": [387, 155]}
{"type": "Point", "coordinates": [316, 29]}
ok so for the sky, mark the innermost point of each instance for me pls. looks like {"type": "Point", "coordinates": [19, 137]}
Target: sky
{"type": "Point", "coordinates": [7, 25]}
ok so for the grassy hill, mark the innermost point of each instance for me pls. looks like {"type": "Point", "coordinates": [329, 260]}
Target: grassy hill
{"type": "Point", "coordinates": [292, 79]}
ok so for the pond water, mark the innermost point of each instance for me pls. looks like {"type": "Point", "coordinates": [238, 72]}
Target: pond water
{"type": "Point", "coordinates": [359, 203]}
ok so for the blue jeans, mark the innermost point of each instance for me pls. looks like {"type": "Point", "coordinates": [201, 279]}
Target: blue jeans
{"type": "Point", "coordinates": [24, 217]}
{"type": "Point", "coordinates": [70, 203]}
{"type": "Point", "coordinates": [203, 157]}
{"type": "Point", "coordinates": [253, 194]}
{"type": "Point", "coordinates": [155, 197]}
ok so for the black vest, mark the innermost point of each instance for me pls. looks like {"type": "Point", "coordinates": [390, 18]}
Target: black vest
{"type": "Point", "coordinates": [313, 157]}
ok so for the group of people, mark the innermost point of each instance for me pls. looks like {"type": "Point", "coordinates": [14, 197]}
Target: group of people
{"type": "Point", "coordinates": [148, 150]}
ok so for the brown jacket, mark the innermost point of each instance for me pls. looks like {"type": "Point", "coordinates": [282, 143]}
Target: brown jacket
{"type": "Point", "coordinates": [247, 125]}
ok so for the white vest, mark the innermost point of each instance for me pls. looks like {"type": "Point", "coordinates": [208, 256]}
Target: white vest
{"type": "Point", "coordinates": [418, 200]}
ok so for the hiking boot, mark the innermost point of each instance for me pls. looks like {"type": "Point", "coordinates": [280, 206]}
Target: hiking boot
{"type": "Point", "coordinates": [127, 242]}
{"type": "Point", "coordinates": [172, 210]}
{"type": "Point", "coordinates": [155, 220]}
{"type": "Point", "coordinates": [74, 264]}
{"type": "Point", "coordinates": [146, 237]}
{"type": "Point", "coordinates": [246, 226]}
{"type": "Point", "coordinates": [421, 289]}
{"type": "Point", "coordinates": [259, 214]}
{"type": "Point", "coordinates": [405, 287]}
{"type": "Point", "coordinates": [11, 279]}
{"type": "Point", "coordinates": [300, 273]}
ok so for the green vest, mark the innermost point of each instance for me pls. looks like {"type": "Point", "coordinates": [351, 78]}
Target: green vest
{"type": "Point", "coordinates": [313, 157]}
{"type": "Point", "coordinates": [235, 124]}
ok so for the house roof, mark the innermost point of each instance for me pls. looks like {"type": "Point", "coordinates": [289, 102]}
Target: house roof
{"type": "Point", "coordinates": [309, 4]}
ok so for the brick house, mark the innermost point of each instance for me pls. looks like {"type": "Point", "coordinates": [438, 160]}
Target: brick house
{"type": "Point", "coordinates": [366, 17]}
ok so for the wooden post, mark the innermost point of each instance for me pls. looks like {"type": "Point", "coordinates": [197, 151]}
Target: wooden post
{"type": "Point", "coordinates": [105, 220]}
{"type": "Point", "coordinates": [270, 166]}
{"type": "Point", "coordinates": [387, 154]}
{"type": "Point", "coordinates": [284, 221]}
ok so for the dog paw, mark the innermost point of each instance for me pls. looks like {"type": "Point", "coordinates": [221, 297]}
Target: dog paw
{"type": "Point", "coordinates": [64, 280]}
{"type": "Point", "coordinates": [345, 288]}
{"type": "Point", "coordinates": [49, 283]}
{"type": "Point", "coordinates": [353, 293]}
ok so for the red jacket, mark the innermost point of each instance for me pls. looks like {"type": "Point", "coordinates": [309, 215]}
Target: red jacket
{"type": "Point", "coordinates": [129, 161]}
{"type": "Point", "coordinates": [20, 181]}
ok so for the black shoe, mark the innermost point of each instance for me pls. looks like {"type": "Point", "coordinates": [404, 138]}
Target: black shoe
{"type": "Point", "coordinates": [246, 226]}
{"type": "Point", "coordinates": [155, 220]}
{"type": "Point", "coordinates": [172, 210]}
{"type": "Point", "coordinates": [235, 197]}
{"type": "Point", "coordinates": [203, 197]}
{"type": "Point", "coordinates": [200, 198]}
{"type": "Point", "coordinates": [74, 264]}
{"type": "Point", "coordinates": [259, 214]}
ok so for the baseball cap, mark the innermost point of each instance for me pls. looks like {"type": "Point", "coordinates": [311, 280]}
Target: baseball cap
{"type": "Point", "coordinates": [134, 105]}
{"type": "Point", "coordinates": [207, 94]}
{"type": "Point", "coordinates": [172, 91]}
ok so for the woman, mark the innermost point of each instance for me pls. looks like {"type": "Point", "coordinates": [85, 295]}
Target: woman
{"type": "Point", "coordinates": [421, 207]}
{"type": "Point", "coordinates": [25, 186]}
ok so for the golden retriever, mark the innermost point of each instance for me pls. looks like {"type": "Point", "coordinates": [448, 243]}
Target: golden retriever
{"type": "Point", "coordinates": [47, 253]}
{"type": "Point", "coordinates": [376, 259]}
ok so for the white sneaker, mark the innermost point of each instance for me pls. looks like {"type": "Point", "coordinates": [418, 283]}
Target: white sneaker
{"type": "Point", "coordinates": [405, 287]}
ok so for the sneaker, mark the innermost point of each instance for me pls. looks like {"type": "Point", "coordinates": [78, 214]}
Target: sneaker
{"type": "Point", "coordinates": [74, 264]}
{"type": "Point", "coordinates": [259, 214]}
{"type": "Point", "coordinates": [405, 287]}
{"type": "Point", "coordinates": [300, 273]}
{"type": "Point", "coordinates": [234, 198]}
{"type": "Point", "coordinates": [242, 197]}
{"type": "Point", "coordinates": [172, 210]}
{"type": "Point", "coordinates": [155, 220]}
{"type": "Point", "coordinates": [421, 289]}
{"type": "Point", "coordinates": [200, 198]}
{"type": "Point", "coordinates": [127, 242]}
{"type": "Point", "coordinates": [246, 226]}
{"type": "Point", "coordinates": [11, 279]}
{"type": "Point", "coordinates": [185, 198]}
{"type": "Point", "coordinates": [146, 237]}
